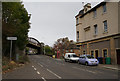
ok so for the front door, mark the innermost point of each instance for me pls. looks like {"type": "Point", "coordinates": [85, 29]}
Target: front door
{"type": "Point", "coordinates": [96, 53]}
{"type": "Point", "coordinates": [118, 56]}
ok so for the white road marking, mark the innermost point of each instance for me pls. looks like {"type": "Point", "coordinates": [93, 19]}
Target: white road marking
{"type": "Point", "coordinates": [38, 72]}
{"type": "Point", "coordinates": [40, 64]}
{"type": "Point", "coordinates": [78, 68]}
{"type": "Point", "coordinates": [90, 71]}
{"type": "Point", "coordinates": [43, 78]}
{"type": "Point", "coordinates": [111, 68]}
{"type": "Point", "coordinates": [35, 69]}
{"type": "Point", "coordinates": [59, 63]}
{"type": "Point", "coordinates": [84, 70]}
{"type": "Point", "coordinates": [54, 73]}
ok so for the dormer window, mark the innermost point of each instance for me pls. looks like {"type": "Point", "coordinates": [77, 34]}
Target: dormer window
{"type": "Point", "coordinates": [94, 13]}
{"type": "Point", "coordinates": [104, 8]}
{"type": "Point", "coordinates": [77, 21]}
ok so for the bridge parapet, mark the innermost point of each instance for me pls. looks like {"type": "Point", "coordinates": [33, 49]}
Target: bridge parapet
{"type": "Point", "coordinates": [35, 44]}
{"type": "Point", "coordinates": [34, 41]}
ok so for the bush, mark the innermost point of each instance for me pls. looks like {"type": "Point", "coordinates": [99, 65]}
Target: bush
{"type": "Point", "coordinates": [7, 65]}
{"type": "Point", "coordinates": [23, 59]}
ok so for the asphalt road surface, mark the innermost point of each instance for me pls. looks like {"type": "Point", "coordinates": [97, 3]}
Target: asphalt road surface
{"type": "Point", "coordinates": [44, 67]}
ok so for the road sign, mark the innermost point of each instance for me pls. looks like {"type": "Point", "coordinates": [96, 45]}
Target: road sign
{"type": "Point", "coordinates": [11, 38]}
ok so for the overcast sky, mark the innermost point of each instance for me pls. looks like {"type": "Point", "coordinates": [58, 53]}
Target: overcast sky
{"type": "Point", "coordinates": [53, 20]}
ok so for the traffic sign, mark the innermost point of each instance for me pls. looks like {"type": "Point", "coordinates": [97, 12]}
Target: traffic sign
{"type": "Point", "coordinates": [11, 38]}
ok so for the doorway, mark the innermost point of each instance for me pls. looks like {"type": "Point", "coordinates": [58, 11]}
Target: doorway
{"type": "Point", "coordinates": [96, 53]}
{"type": "Point", "coordinates": [118, 56]}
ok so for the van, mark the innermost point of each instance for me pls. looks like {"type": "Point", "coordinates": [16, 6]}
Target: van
{"type": "Point", "coordinates": [71, 57]}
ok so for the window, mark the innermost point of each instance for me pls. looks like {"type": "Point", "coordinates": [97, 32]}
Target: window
{"type": "Point", "coordinates": [90, 57]}
{"type": "Point", "coordinates": [84, 52]}
{"type": "Point", "coordinates": [92, 53]}
{"type": "Point", "coordinates": [71, 50]}
{"type": "Point", "coordinates": [69, 56]}
{"type": "Point", "coordinates": [83, 57]}
{"type": "Point", "coordinates": [105, 53]}
{"type": "Point", "coordinates": [77, 36]}
{"type": "Point", "coordinates": [94, 13]}
{"type": "Point", "coordinates": [105, 26]}
{"type": "Point", "coordinates": [104, 8]}
{"type": "Point", "coordinates": [74, 55]}
{"type": "Point", "coordinates": [77, 21]}
{"type": "Point", "coordinates": [95, 29]}
{"type": "Point", "coordinates": [66, 50]}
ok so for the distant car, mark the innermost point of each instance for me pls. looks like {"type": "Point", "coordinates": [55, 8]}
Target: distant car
{"type": "Point", "coordinates": [71, 57]}
{"type": "Point", "coordinates": [88, 60]}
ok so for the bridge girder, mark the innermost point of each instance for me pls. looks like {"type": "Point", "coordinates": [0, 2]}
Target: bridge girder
{"type": "Point", "coordinates": [35, 44]}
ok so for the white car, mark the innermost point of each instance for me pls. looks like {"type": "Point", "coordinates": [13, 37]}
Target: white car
{"type": "Point", "coordinates": [71, 57]}
{"type": "Point", "coordinates": [88, 60]}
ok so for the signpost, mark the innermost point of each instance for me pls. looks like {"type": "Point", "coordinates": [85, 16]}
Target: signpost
{"type": "Point", "coordinates": [11, 39]}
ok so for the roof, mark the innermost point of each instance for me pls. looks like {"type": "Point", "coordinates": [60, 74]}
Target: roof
{"type": "Point", "coordinates": [97, 6]}
{"type": "Point", "coordinates": [80, 13]}
{"type": "Point", "coordinates": [94, 8]}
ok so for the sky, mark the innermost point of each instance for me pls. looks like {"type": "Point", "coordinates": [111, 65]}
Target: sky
{"type": "Point", "coordinates": [53, 20]}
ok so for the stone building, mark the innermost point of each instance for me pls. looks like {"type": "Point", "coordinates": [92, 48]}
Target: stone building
{"type": "Point", "coordinates": [98, 30]}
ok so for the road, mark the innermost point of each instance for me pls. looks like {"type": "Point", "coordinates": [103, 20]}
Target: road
{"type": "Point", "coordinates": [44, 67]}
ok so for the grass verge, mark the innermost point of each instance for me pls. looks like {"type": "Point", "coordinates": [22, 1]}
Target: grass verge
{"type": "Point", "coordinates": [9, 66]}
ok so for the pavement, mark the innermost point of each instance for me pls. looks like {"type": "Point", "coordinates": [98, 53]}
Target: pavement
{"type": "Point", "coordinates": [112, 67]}
{"type": "Point", "coordinates": [107, 66]}
{"type": "Point", "coordinates": [46, 68]}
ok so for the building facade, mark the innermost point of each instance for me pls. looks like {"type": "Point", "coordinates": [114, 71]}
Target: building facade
{"type": "Point", "coordinates": [98, 30]}
{"type": "Point", "coordinates": [73, 50]}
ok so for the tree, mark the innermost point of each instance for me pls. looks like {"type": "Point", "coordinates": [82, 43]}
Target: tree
{"type": "Point", "coordinates": [15, 22]}
{"type": "Point", "coordinates": [64, 44]}
{"type": "Point", "coordinates": [48, 50]}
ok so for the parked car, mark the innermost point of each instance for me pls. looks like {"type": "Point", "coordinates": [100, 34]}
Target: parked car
{"type": "Point", "coordinates": [88, 60]}
{"type": "Point", "coordinates": [71, 57]}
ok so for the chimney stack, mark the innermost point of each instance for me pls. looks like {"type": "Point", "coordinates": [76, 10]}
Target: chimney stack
{"type": "Point", "coordinates": [87, 7]}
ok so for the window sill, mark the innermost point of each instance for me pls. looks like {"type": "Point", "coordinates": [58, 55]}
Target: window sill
{"type": "Point", "coordinates": [95, 35]}
{"type": "Point", "coordinates": [94, 17]}
{"type": "Point", "coordinates": [104, 13]}
{"type": "Point", "coordinates": [77, 24]}
{"type": "Point", "coordinates": [105, 32]}
{"type": "Point", "coordinates": [77, 40]}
